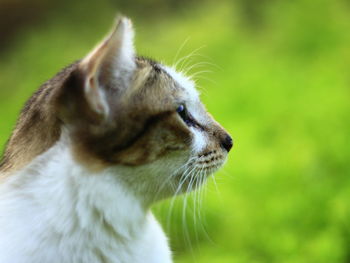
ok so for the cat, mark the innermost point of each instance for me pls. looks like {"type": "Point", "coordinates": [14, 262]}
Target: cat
{"type": "Point", "coordinates": [93, 149]}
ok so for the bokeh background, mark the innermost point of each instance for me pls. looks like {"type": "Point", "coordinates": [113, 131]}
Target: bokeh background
{"type": "Point", "coordinates": [275, 73]}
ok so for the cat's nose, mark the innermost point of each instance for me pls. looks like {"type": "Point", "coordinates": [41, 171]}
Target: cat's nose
{"type": "Point", "coordinates": [227, 142]}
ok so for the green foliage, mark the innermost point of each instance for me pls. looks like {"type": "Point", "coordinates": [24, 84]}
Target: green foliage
{"type": "Point", "coordinates": [280, 87]}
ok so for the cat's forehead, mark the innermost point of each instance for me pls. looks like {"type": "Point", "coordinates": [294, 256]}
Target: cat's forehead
{"type": "Point", "coordinates": [184, 82]}
{"type": "Point", "coordinates": [168, 74]}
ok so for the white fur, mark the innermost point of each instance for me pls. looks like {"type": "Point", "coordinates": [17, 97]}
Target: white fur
{"type": "Point", "coordinates": [54, 210]}
{"type": "Point", "coordinates": [193, 105]}
{"type": "Point", "coordinates": [199, 140]}
{"type": "Point", "coordinates": [123, 57]}
{"type": "Point", "coordinates": [115, 54]}
{"type": "Point", "coordinates": [117, 49]}
{"type": "Point", "coordinates": [184, 82]}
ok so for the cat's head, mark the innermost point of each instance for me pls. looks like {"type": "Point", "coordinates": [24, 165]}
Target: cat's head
{"type": "Point", "coordinates": [140, 118]}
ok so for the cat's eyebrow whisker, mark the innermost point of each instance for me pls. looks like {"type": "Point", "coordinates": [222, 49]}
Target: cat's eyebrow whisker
{"type": "Point", "coordinates": [185, 69]}
{"type": "Point", "coordinates": [209, 63]}
{"type": "Point", "coordinates": [195, 65]}
{"type": "Point", "coordinates": [185, 64]}
{"type": "Point", "coordinates": [200, 72]}
{"type": "Point", "coordinates": [203, 91]}
{"type": "Point", "coordinates": [187, 56]}
{"type": "Point", "coordinates": [180, 49]}
{"type": "Point", "coordinates": [196, 79]}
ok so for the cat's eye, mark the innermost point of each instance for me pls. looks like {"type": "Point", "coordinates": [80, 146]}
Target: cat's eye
{"type": "Point", "coordinates": [185, 116]}
{"type": "Point", "coordinates": [181, 108]}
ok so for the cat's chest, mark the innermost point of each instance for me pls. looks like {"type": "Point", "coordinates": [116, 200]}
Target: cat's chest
{"type": "Point", "coordinates": [98, 244]}
{"type": "Point", "coordinates": [102, 244]}
{"type": "Point", "coordinates": [58, 213]}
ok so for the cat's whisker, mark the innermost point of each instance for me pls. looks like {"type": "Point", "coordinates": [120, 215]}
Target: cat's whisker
{"type": "Point", "coordinates": [194, 55]}
{"type": "Point", "coordinates": [183, 179]}
{"type": "Point", "coordinates": [197, 78]}
{"type": "Point", "coordinates": [200, 72]}
{"type": "Point", "coordinates": [181, 60]}
{"type": "Point", "coordinates": [120, 131]}
{"type": "Point", "coordinates": [184, 221]}
{"type": "Point", "coordinates": [203, 178]}
{"type": "Point", "coordinates": [215, 184]}
{"type": "Point", "coordinates": [200, 191]}
{"type": "Point", "coordinates": [195, 65]}
{"type": "Point", "coordinates": [197, 213]}
{"type": "Point", "coordinates": [226, 174]}
{"type": "Point", "coordinates": [203, 220]}
{"type": "Point", "coordinates": [187, 67]}
{"type": "Point", "coordinates": [209, 63]}
{"type": "Point", "coordinates": [202, 188]}
{"type": "Point", "coordinates": [180, 49]}
{"type": "Point", "coordinates": [170, 177]}
{"type": "Point", "coordinates": [186, 166]}
{"type": "Point", "coordinates": [191, 54]}
{"type": "Point", "coordinates": [203, 90]}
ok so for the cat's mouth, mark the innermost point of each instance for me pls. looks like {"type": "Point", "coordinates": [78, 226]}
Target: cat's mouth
{"type": "Point", "coordinates": [209, 163]}
{"type": "Point", "coordinates": [198, 169]}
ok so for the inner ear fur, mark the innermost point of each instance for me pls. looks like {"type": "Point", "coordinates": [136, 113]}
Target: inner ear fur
{"type": "Point", "coordinates": [110, 65]}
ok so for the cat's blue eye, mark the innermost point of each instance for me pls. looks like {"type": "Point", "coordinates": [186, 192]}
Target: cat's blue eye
{"type": "Point", "coordinates": [181, 108]}
{"type": "Point", "coordinates": [184, 114]}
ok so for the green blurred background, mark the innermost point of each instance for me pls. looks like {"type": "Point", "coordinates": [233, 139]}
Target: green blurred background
{"type": "Point", "coordinates": [274, 73]}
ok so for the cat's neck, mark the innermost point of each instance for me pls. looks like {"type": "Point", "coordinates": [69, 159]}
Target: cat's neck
{"type": "Point", "coordinates": [75, 197]}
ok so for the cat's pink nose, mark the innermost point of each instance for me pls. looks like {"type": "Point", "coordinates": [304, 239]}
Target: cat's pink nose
{"type": "Point", "coordinates": [227, 142]}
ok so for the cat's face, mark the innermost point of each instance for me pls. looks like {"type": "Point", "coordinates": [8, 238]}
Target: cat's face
{"type": "Point", "coordinates": [141, 119]}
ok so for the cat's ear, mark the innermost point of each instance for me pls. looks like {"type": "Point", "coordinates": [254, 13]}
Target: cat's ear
{"type": "Point", "coordinates": [109, 66]}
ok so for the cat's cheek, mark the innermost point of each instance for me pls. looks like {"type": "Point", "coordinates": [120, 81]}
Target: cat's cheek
{"type": "Point", "coordinates": [199, 140]}
{"type": "Point", "coordinates": [150, 149]}
{"type": "Point", "coordinates": [159, 142]}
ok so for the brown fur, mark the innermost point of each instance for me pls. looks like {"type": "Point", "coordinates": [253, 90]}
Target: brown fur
{"type": "Point", "coordinates": [142, 124]}
{"type": "Point", "coordinates": [142, 127]}
{"type": "Point", "coordinates": [60, 101]}
{"type": "Point", "coordinates": [37, 128]}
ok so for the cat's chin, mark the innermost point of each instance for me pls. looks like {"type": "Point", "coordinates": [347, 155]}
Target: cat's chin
{"type": "Point", "coordinates": [196, 173]}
